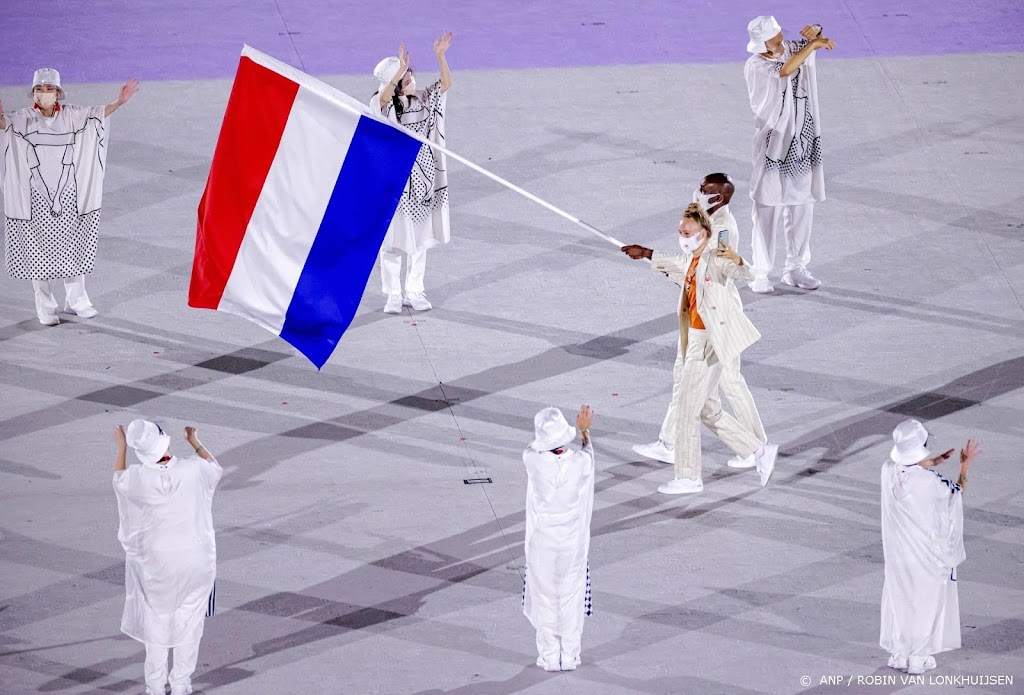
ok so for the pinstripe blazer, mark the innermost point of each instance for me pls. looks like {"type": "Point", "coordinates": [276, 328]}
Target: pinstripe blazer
{"type": "Point", "coordinates": [729, 330]}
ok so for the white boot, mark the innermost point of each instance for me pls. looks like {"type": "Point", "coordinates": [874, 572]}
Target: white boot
{"type": "Point", "coordinates": [762, 285]}
{"type": "Point", "coordinates": [394, 304]}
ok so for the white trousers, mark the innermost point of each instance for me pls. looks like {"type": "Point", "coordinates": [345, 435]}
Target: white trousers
{"type": "Point", "coordinates": [76, 297]}
{"type": "Point", "coordinates": [180, 676]}
{"type": "Point", "coordinates": [734, 388]}
{"type": "Point", "coordinates": [391, 272]}
{"type": "Point", "coordinates": [550, 651]}
{"type": "Point", "coordinates": [698, 402]}
{"type": "Point", "coordinates": [771, 220]}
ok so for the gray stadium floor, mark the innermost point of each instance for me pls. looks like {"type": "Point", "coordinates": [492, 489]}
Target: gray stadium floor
{"type": "Point", "coordinates": [353, 558]}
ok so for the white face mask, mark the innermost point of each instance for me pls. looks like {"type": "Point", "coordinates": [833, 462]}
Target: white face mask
{"type": "Point", "coordinates": [409, 89]}
{"type": "Point", "coordinates": [689, 244]}
{"type": "Point", "coordinates": [46, 100]}
{"type": "Point", "coordinates": [704, 200]}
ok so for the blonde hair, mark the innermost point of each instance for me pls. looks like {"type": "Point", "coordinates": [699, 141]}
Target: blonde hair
{"type": "Point", "coordinates": [696, 213]}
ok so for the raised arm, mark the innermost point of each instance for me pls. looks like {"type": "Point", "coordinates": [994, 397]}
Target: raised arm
{"type": "Point", "coordinates": [583, 422]}
{"type": "Point", "coordinates": [441, 46]}
{"type": "Point", "coordinates": [193, 440]}
{"type": "Point", "coordinates": [3, 120]}
{"type": "Point", "coordinates": [128, 90]}
{"type": "Point", "coordinates": [813, 44]}
{"type": "Point", "coordinates": [120, 460]}
{"type": "Point", "coordinates": [387, 91]}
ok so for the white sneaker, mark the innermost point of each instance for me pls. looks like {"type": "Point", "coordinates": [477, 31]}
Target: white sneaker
{"type": "Point", "coordinates": [762, 285]}
{"type": "Point", "coordinates": [394, 304]}
{"type": "Point", "coordinates": [739, 462]}
{"type": "Point", "coordinates": [898, 662]}
{"type": "Point", "coordinates": [682, 486]}
{"type": "Point", "coordinates": [418, 301]}
{"type": "Point", "coordinates": [49, 320]}
{"type": "Point", "coordinates": [659, 451]}
{"type": "Point", "coordinates": [88, 312]}
{"type": "Point", "coordinates": [765, 458]}
{"type": "Point", "coordinates": [548, 665]}
{"type": "Point", "coordinates": [916, 665]}
{"type": "Point", "coordinates": [799, 277]}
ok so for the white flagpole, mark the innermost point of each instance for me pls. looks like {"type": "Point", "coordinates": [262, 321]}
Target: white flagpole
{"type": "Point", "coordinates": [356, 107]}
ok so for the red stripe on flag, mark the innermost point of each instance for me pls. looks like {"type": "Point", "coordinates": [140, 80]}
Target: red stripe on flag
{"type": "Point", "coordinates": [258, 109]}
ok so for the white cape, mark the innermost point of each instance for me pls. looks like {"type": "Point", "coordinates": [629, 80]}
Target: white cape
{"type": "Point", "coordinates": [559, 506]}
{"type": "Point", "coordinates": [923, 542]}
{"type": "Point", "coordinates": [76, 135]}
{"type": "Point", "coordinates": [166, 530]}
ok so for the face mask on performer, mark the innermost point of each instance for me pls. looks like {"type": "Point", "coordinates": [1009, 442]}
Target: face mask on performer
{"type": "Point", "coordinates": [46, 100]}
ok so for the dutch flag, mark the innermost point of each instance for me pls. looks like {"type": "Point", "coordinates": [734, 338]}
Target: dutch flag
{"type": "Point", "coordinates": [302, 187]}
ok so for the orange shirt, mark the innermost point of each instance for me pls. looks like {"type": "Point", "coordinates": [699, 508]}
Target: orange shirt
{"type": "Point", "coordinates": [690, 295]}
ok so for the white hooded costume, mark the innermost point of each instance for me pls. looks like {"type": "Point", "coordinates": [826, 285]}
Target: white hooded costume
{"type": "Point", "coordinates": [166, 529]}
{"type": "Point", "coordinates": [922, 540]}
{"type": "Point", "coordinates": [559, 506]}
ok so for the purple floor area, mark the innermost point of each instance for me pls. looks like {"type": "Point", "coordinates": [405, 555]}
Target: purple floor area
{"type": "Point", "coordinates": [108, 40]}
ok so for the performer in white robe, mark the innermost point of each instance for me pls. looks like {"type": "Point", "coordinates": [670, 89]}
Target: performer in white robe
{"type": "Point", "coordinates": [923, 542]}
{"type": "Point", "coordinates": [559, 505]}
{"type": "Point", "coordinates": [713, 195]}
{"type": "Point", "coordinates": [421, 221]}
{"type": "Point", "coordinates": [788, 178]}
{"type": "Point", "coordinates": [166, 512]}
{"type": "Point", "coordinates": [51, 171]}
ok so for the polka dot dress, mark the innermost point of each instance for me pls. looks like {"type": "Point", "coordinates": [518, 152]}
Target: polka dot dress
{"type": "Point", "coordinates": [52, 246]}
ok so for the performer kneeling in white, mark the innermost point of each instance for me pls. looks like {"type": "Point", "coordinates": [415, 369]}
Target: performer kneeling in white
{"type": "Point", "coordinates": [713, 330]}
{"type": "Point", "coordinates": [51, 169]}
{"type": "Point", "coordinates": [421, 221]}
{"type": "Point", "coordinates": [166, 511]}
{"type": "Point", "coordinates": [714, 194]}
{"type": "Point", "coordinates": [559, 504]}
{"type": "Point", "coordinates": [923, 542]}
{"type": "Point", "coordinates": [788, 178]}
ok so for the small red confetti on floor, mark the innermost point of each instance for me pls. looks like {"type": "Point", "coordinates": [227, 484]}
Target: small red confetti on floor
{"type": "Point", "coordinates": [462, 439]}
{"type": "Point", "coordinates": [284, 402]}
{"type": "Point", "coordinates": [413, 323]}
{"type": "Point", "coordinates": [156, 353]}
{"type": "Point", "coordinates": [615, 394]}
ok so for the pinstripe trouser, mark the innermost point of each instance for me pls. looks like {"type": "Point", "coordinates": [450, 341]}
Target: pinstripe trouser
{"type": "Point", "coordinates": [697, 402]}
{"type": "Point", "coordinates": [734, 388]}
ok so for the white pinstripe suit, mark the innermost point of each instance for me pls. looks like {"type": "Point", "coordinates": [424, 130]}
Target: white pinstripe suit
{"type": "Point", "coordinates": [734, 386]}
{"type": "Point", "coordinates": [728, 332]}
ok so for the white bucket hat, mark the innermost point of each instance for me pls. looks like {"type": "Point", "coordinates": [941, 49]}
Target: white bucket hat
{"type": "Point", "coordinates": [148, 440]}
{"type": "Point", "coordinates": [551, 431]}
{"type": "Point", "coordinates": [386, 69]}
{"type": "Point", "coordinates": [910, 436]}
{"type": "Point", "coordinates": [47, 76]}
{"type": "Point", "coordinates": [761, 29]}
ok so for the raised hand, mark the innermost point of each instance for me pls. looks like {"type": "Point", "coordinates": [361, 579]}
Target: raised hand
{"type": "Point", "coordinates": [403, 57]}
{"type": "Point", "coordinates": [726, 251]}
{"type": "Point", "coordinates": [822, 42]}
{"type": "Point", "coordinates": [127, 91]}
{"type": "Point", "coordinates": [585, 418]}
{"type": "Point", "coordinates": [119, 437]}
{"type": "Point", "coordinates": [442, 44]}
{"type": "Point", "coordinates": [811, 31]}
{"type": "Point", "coordinates": [190, 435]}
{"type": "Point", "coordinates": [968, 453]}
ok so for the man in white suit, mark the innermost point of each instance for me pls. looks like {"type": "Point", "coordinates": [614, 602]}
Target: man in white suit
{"type": "Point", "coordinates": [712, 330]}
{"type": "Point", "coordinates": [714, 194]}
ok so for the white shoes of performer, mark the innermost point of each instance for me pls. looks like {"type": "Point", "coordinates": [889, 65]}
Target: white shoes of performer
{"type": "Point", "coordinates": [88, 312]}
{"type": "Point", "coordinates": [762, 285]}
{"type": "Point", "coordinates": [898, 662]}
{"type": "Point", "coordinates": [738, 462]}
{"type": "Point", "coordinates": [916, 665]}
{"type": "Point", "coordinates": [50, 320]}
{"type": "Point", "coordinates": [765, 461]}
{"type": "Point", "coordinates": [394, 304]}
{"type": "Point", "coordinates": [548, 665]}
{"type": "Point", "coordinates": [418, 301]}
{"type": "Point", "coordinates": [682, 486]}
{"type": "Point", "coordinates": [802, 278]}
{"type": "Point", "coordinates": [659, 451]}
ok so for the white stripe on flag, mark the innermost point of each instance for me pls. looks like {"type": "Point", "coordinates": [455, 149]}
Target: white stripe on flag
{"type": "Point", "coordinates": [287, 215]}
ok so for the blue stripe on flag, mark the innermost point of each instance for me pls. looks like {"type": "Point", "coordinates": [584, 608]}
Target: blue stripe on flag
{"type": "Point", "coordinates": [376, 168]}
